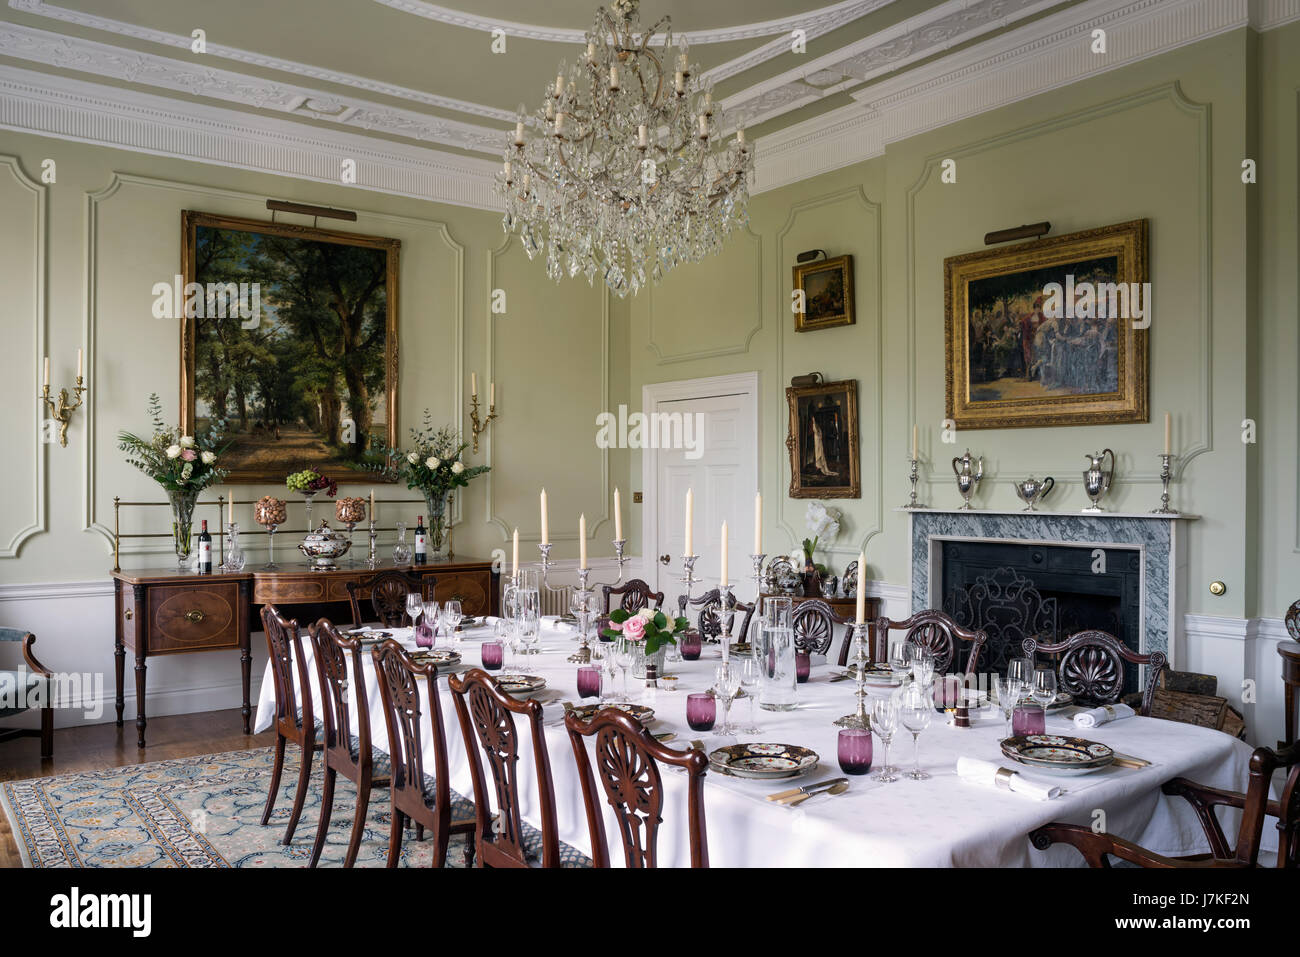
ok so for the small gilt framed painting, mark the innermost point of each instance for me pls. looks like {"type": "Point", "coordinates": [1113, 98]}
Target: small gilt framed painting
{"type": "Point", "coordinates": [825, 290]}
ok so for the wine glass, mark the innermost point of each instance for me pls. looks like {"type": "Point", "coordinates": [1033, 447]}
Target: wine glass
{"type": "Point", "coordinates": [726, 682]}
{"type": "Point", "coordinates": [451, 619]}
{"type": "Point", "coordinates": [1044, 689]}
{"type": "Point", "coordinates": [884, 721]}
{"type": "Point", "coordinates": [1008, 691]}
{"type": "Point", "coordinates": [624, 655]}
{"type": "Point", "coordinates": [751, 674]}
{"type": "Point", "coordinates": [414, 606]}
{"type": "Point", "coordinates": [505, 634]}
{"type": "Point", "coordinates": [431, 620]}
{"type": "Point", "coordinates": [1021, 670]}
{"type": "Point", "coordinates": [915, 711]}
{"type": "Point", "coordinates": [900, 658]}
{"type": "Point", "coordinates": [923, 666]}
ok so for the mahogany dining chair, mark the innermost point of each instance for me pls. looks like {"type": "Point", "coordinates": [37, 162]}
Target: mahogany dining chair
{"type": "Point", "coordinates": [293, 722]}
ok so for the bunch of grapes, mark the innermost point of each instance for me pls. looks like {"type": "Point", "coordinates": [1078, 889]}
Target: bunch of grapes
{"type": "Point", "coordinates": [309, 480]}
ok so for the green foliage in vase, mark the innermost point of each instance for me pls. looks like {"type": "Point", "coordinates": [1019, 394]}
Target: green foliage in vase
{"type": "Point", "coordinates": [177, 462]}
{"type": "Point", "coordinates": [653, 627]}
{"type": "Point", "coordinates": [433, 463]}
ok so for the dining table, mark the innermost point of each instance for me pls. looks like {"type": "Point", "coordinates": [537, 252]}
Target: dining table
{"type": "Point", "coordinates": [945, 821]}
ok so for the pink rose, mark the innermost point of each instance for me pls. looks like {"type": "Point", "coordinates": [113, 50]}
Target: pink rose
{"type": "Point", "coordinates": [189, 455]}
{"type": "Point", "coordinates": [634, 628]}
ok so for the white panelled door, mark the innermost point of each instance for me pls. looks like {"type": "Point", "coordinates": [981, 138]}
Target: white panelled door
{"type": "Point", "coordinates": [720, 463]}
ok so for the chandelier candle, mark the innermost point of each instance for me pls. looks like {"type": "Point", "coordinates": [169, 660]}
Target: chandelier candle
{"type": "Point", "coordinates": [624, 173]}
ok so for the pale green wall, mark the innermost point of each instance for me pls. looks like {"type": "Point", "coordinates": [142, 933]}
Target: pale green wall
{"type": "Point", "coordinates": [558, 355]}
{"type": "Point", "coordinates": [1161, 140]}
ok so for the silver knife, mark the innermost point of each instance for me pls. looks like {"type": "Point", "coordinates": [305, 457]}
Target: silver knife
{"type": "Point", "coordinates": [806, 789]}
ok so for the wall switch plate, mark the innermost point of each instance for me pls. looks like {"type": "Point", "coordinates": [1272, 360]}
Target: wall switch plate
{"type": "Point", "coordinates": [638, 497]}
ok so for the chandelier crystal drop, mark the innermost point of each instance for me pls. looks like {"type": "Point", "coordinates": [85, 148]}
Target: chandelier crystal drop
{"type": "Point", "coordinates": [622, 172]}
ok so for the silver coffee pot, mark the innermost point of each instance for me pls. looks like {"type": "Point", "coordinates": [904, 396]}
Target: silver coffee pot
{"type": "Point", "coordinates": [968, 477]}
{"type": "Point", "coordinates": [1097, 478]}
{"type": "Point", "coordinates": [1031, 490]}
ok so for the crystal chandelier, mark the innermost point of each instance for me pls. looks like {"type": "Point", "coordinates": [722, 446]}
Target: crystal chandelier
{"type": "Point", "coordinates": [624, 175]}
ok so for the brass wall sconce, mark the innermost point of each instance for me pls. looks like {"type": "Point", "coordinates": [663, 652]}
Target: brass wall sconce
{"type": "Point", "coordinates": [62, 412]}
{"type": "Point", "coordinates": [476, 426]}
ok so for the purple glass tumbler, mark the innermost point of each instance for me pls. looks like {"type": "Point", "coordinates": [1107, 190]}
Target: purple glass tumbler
{"type": "Point", "coordinates": [691, 645]}
{"type": "Point", "coordinates": [493, 655]}
{"type": "Point", "coordinates": [855, 751]}
{"type": "Point", "coordinates": [802, 666]}
{"type": "Point", "coordinates": [423, 635]}
{"type": "Point", "coordinates": [1028, 719]}
{"type": "Point", "coordinates": [588, 682]}
{"type": "Point", "coordinates": [701, 711]}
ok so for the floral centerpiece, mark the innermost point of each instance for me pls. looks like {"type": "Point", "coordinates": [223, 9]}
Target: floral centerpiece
{"type": "Point", "coordinates": [822, 522]}
{"type": "Point", "coordinates": [433, 467]}
{"type": "Point", "coordinates": [184, 465]}
{"type": "Point", "coordinates": [650, 630]}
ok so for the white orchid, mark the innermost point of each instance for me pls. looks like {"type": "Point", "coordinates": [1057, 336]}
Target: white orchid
{"type": "Point", "coordinates": [173, 451]}
{"type": "Point", "coordinates": [432, 462]}
{"type": "Point", "coordinates": [823, 522]}
{"type": "Point", "coordinates": [187, 441]}
{"type": "Point", "coordinates": [208, 457]}
{"type": "Point", "coordinates": [457, 468]}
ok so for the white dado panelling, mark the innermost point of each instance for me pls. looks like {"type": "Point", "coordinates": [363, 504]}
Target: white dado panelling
{"type": "Point", "coordinates": [110, 312]}
{"type": "Point", "coordinates": [24, 279]}
{"type": "Point", "coordinates": [1171, 93]}
{"type": "Point", "coordinates": [553, 379]}
{"type": "Point", "coordinates": [868, 318]}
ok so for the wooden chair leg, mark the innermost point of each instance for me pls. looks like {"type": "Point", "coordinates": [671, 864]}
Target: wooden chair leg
{"type": "Point", "coordinates": [395, 838]}
{"type": "Point", "coordinates": [358, 823]}
{"type": "Point", "coordinates": [300, 796]}
{"type": "Point", "coordinates": [47, 731]}
{"type": "Point", "coordinates": [419, 831]}
{"type": "Point", "coordinates": [275, 778]}
{"type": "Point", "coordinates": [440, 841]}
{"type": "Point", "coordinates": [326, 810]}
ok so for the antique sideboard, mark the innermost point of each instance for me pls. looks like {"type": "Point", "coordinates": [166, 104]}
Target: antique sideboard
{"type": "Point", "coordinates": [169, 612]}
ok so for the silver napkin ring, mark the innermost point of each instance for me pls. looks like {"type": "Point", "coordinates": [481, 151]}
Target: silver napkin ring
{"type": "Point", "coordinates": [1003, 778]}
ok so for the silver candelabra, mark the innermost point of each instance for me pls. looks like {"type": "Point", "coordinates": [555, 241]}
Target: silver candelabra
{"type": "Point", "coordinates": [1166, 474]}
{"type": "Point", "coordinates": [584, 595]}
{"type": "Point", "coordinates": [913, 464]}
{"type": "Point", "coordinates": [860, 718]}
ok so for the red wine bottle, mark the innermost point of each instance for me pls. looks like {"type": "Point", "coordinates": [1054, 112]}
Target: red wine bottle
{"type": "Point", "coordinates": [205, 550]}
{"type": "Point", "coordinates": [421, 538]}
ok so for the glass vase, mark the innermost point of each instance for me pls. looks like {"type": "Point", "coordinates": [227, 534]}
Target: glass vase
{"type": "Point", "coordinates": [182, 503]}
{"type": "Point", "coordinates": [438, 506]}
{"type": "Point", "coordinates": [642, 659]}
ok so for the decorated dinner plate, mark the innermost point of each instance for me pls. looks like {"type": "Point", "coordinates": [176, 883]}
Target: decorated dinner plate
{"type": "Point", "coordinates": [882, 679]}
{"type": "Point", "coordinates": [638, 711]}
{"type": "Point", "coordinates": [442, 657]}
{"type": "Point", "coordinates": [764, 762]}
{"type": "Point", "coordinates": [521, 684]}
{"type": "Point", "coordinates": [370, 634]}
{"type": "Point", "coordinates": [1058, 753]}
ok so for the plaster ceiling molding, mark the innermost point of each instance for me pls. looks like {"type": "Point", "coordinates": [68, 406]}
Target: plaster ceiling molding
{"type": "Point", "coordinates": [836, 15]}
{"type": "Point", "coordinates": [89, 56]}
{"type": "Point", "coordinates": [122, 28]}
{"type": "Point", "coordinates": [923, 35]}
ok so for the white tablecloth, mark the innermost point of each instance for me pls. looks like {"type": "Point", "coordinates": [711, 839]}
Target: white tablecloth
{"type": "Point", "coordinates": [936, 823]}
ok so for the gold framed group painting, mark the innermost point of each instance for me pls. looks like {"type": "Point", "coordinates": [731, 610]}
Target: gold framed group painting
{"type": "Point", "coordinates": [1049, 332]}
{"type": "Point", "coordinates": [823, 440]}
{"type": "Point", "coordinates": [289, 337]}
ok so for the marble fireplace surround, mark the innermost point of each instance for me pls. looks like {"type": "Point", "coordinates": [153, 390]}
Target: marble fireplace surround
{"type": "Point", "coordinates": [1156, 538]}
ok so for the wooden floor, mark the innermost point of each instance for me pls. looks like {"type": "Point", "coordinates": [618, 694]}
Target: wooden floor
{"type": "Point", "coordinates": [108, 746]}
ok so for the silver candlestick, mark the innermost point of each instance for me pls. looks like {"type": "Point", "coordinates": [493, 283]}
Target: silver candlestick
{"type": "Point", "coordinates": [758, 574]}
{"type": "Point", "coordinates": [1166, 473]}
{"type": "Point", "coordinates": [860, 718]}
{"type": "Point", "coordinates": [372, 560]}
{"type": "Point", "coordinates": [688, 577]}
{"type": "Point", "coordinates": [724, 621]}
{"type": "Point", "coordinates": [584, 595]}
{"type": "Point", "coordinates": [912, 476]}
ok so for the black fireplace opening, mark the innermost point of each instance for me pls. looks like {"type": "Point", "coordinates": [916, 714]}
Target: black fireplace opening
{"type": "Point", "coordinates": [1015, 591]}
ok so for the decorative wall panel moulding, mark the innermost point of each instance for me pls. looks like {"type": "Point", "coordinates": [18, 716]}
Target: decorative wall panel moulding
{"type": "Point", "coordinates": [1052, 52]}
{"type": "Point", "coordinates": [182, 76]}
{"type": "Point", "coordinates": [89, 113]}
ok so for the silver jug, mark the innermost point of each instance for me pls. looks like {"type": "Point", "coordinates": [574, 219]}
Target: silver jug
{"type": "Point", "coordinates": [1097, 478]}
{"type": "Point", "coordinates": [1031, 490]}
{"type": "Point", "coordinates": [968, 479]}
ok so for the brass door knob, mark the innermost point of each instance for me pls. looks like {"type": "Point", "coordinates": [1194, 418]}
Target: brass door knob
{"type": "Point", "coordinates": [665, 559]}
{"type": "Point", "coordinates": [127, 614]}
{"type": "Point", "coordinates": [1218, 588]}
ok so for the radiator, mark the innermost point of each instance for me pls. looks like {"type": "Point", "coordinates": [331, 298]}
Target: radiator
{"type": "Point", "coordinates": [556, 602]}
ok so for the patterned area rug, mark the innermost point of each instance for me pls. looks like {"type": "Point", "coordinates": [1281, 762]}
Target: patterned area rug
{"type": "Point", "coordinates": [203, 811]}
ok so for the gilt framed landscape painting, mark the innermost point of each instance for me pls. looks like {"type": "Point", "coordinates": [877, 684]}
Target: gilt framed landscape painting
{"type": "Point", "coordinates": [823, 440]}
{"type": "Point", "coordinates": [827, 288]}
{"type": "Point", "coordinates": [290, 337]}
{"type": "Point", "coordinates": [1049, 332]}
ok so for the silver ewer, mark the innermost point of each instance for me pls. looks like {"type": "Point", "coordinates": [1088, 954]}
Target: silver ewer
{"type": "Point", "coordinates": [969, 473]}
{"type": "Point", "coordinates": [1097, 478]}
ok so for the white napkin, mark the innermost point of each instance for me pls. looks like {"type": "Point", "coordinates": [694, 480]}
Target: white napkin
{"type": "Point", "coordinates": [986, 773]}
{"type": "Point", "coordinates": [1095, 716]}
